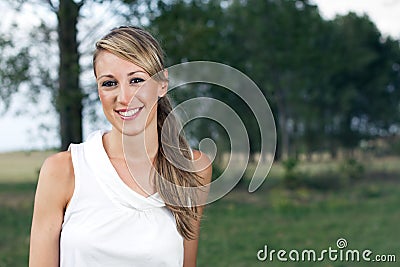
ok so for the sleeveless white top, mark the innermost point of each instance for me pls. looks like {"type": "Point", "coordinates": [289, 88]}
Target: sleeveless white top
{"type": "Point", "coordinates": [109, 224]}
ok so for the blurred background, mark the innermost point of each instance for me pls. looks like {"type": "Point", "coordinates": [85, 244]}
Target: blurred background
{"type": "Point", "coordinates": [330, 71]}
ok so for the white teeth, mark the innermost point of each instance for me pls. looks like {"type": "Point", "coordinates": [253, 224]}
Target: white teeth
{"type": "Point", "coordinates": [129, 113]}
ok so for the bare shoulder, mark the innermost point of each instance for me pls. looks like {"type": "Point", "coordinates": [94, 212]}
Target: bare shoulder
{"type": "Point", "coordinates": [57, 177]}
{"type": "Point", "coordinates": [58, 166]}
{"type": "Point", "coordinates": [54, 189]}
{"type": "Point", "coordinates": [203, 166]}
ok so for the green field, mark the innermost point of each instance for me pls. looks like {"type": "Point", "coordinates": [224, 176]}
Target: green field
{"type": "Point", "coordinates": [365, 213]}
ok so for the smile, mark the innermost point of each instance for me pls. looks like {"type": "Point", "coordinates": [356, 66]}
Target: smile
{"type": "Point", "coordinates": [129, 114]}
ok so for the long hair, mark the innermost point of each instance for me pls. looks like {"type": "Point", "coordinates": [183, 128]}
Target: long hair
{"type": "Point", "coordinates": [171, 182]}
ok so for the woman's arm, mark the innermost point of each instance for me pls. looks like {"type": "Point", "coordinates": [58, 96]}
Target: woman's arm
{"type": "Point", "coordinates": [190, 246]}
{"type": "Point", "coordinates": [54, 189]}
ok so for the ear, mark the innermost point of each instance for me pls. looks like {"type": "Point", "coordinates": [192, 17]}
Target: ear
{"type": "Point", "coordinates": [163, 89]}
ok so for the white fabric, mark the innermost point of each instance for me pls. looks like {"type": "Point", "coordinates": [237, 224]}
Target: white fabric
{"type": "Point", "coordinates": [108, 224]}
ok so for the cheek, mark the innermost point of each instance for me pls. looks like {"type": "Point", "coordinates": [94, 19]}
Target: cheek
{"type": "Point", "coordinates": [148, 94]}
{"type": "Point", "coordinates": [105, 97]}
{"type": "Point", "coordinates": [101, 96]}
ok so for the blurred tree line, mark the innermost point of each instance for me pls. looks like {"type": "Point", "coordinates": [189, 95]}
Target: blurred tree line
{"type": "Point", "coordinates": [330, 83]}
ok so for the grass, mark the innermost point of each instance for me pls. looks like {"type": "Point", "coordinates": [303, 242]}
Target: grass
{"type": "Point", "coordinates": [237, 226]}
{"type": "Point", "coordinates": [21, 166]}
{"type": "Point", "coordinates": [16, 202]}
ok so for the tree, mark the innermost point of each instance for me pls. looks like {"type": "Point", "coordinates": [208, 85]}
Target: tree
{"type": "Point", "coordinates": [364, 94]}
{"type": "Point", "coordinates": [67, 92]}
{"type": "Point", "coordinates": [330, 83]}
{"type": "Point", "coordinates": [276, 52]}
{"type": "Point", "coordinates": [69, 97]}
{"type": "Point", "coordinates": [14, 69]}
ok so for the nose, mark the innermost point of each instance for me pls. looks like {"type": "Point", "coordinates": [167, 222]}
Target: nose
{"type": "Point", "coordinates": [126, 94]}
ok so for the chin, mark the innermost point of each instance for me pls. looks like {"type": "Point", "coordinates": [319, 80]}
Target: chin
{"type": "Point", "coordinates": [131, 132]}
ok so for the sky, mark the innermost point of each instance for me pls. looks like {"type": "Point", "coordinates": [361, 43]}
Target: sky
{"type": "Point", "coordinates": [22, 133]}
{"type": "Point", "coordinates": [384, 13]}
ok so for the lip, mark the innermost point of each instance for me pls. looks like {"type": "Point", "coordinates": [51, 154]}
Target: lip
{"type": "Point", "coordinates": [127, 118]}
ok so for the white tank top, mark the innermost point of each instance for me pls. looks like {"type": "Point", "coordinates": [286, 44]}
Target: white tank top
{"type": "Point", "coordinates": [108, 224]}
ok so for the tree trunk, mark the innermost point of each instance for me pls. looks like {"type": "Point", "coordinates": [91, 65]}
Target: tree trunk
{"type": "Point", "coordinates": [69, 97]}
{"type": "Point", "coordinates": [282, 124]}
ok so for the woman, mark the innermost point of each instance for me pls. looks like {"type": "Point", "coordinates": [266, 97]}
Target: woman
{"type": "Point", "coordinates": [116, 199]}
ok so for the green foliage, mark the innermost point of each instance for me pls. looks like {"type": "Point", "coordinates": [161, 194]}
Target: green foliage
{"type": "Point", "coordinates": [291, 176]}
{"type": "Point", "coordinates": [325, 181]}
{"type": "Point", "coordinates": [330, 180]}
{"type": "Point", "coordinates": [14, 69]}
{"type": "Point", "coordinates": [329, 83]}
{"type": "Point", "coordinates": [371, 191]}
{"type": "Point", "coordinates": [352, 169]}
{"type": "Point", "coordinates": [346, 174]}
{"type": "Point", "coordinates": [343, 176]}
{"type": "Point", "coordinates": [216, 171]}
{"type": "Point", "coordinates": [290, 164]}
{"type": "Point", "coordinates": [395, 147]}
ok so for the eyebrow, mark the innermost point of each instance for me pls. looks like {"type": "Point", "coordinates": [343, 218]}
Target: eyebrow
{"type": "Point", "coordinates": [133, 72]}
{"type": "Point", "coordinates": [106, 75]}
{"type": "Point", "coordinates": [112, 76]}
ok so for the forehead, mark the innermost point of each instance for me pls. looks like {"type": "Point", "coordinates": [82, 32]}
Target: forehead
{"type": "Point", "coordinates": [107, 62]}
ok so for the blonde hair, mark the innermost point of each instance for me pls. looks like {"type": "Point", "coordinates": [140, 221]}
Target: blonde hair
{"type": "Point", "coordinates": [141, 48]}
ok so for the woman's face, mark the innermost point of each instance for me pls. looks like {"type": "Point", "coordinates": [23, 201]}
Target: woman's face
{"type": "Point", "coordinates": [127, 93]}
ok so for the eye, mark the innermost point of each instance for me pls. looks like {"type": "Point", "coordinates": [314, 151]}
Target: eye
{"type": "Point", "coordinates": [137, 80]}
{"type": "Point", "coordinates": [109, 83]}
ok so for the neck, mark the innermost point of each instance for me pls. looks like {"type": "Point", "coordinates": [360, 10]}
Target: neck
{"type": "Point", "coordinates": [142, 147]}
